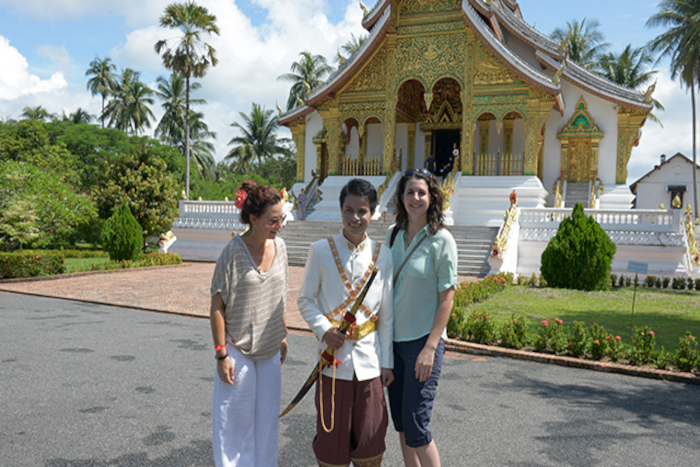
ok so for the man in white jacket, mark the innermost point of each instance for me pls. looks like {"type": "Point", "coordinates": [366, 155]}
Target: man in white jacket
{"type": "Point", "coordinates": [351, 411]}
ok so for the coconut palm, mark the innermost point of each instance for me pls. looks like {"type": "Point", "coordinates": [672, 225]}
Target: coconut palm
{"type": "Point", "coordinates": [585, 41]}
{"type": "Point", "coordinates": [258, 141]}
{"type": "Point", "coordinates": [630, 69]}
{"type": "Point", "coordinates": [36, 113]}
{"type": "Point", "coordinates": [681, 42]}
{"type": "Point", "coordinates": [307, 74]}
{"type": "Point", "coordinates": [103, 78]}
{"type": "Point", "coordinates": [191, 57]}
{"type": "Point", "coordinates": [128, 108]}
{"type": "Point", "coordinates": [350, 47]}
{"type": "Point", "coordinates": [79, 116]}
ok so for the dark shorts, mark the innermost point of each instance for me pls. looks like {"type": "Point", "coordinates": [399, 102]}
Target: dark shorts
{"type": "Point", "coordinates": [411, 401]}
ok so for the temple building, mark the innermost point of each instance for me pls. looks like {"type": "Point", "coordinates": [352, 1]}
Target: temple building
{"type": "Point", "coordinates": [470, 78]}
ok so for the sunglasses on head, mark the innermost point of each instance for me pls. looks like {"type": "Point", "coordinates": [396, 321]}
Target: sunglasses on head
{"type": "Point", "coordinates": [419, 171]}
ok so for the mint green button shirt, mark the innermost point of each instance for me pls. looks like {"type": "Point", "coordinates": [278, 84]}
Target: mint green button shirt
{"type": "Point", "coordinates": [431, 269]}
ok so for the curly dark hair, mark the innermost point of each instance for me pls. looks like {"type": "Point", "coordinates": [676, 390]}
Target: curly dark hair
{"type": "Point", "coordinates": [436, 218]}
{"type": "Point", "coordinates": [258, 198]}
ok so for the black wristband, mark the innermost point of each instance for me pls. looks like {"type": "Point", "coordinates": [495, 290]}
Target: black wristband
{"type": "Point", "coordinates": [221, 357]}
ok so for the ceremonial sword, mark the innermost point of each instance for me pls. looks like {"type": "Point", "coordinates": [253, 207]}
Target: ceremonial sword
{"type": "Point", "coordinates": [329, 355]}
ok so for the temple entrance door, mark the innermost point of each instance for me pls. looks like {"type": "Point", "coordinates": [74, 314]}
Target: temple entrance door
{"type": "Point", "coordinates": [445, 142]}
{"type": "Point", "coordinates": [579, 160]}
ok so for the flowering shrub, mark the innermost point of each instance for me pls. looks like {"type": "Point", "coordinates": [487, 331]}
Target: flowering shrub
{"type": "Point", "coordinates": [697, 284]}
{"type": "Point", "coordinates": [649, 281]}
{"type": "Point", "coordinates": [513, 333]}
{"type": "Point", "coordinates": [550, 336]}
{"type": "Point", "coordinates": [643, 343]}
{"type": "Point", "coordinates": [480, 328]}
{"type": "Point", "coordinates": [663, 358]}
{"type": "Point", "coordinates": [578, 340]}
{"type": "Point", "coordinates": [614, 347]}
{"type": "Point", "coordinates": [622, 281]}
{"type": "Point", "coordinates": [686, 357]}
{"type": "Point", "coordinates": [31, 263]}
{"type": "Point", "coordinates": [666, 281]}
{"type": "Point", "coordinates": [455, 326]}
{"type": "Point", "coordinates": [690, 283]}
{"type": "Point", "coordinates": [468, 293]}
{"type": "Point", "coordinates": [678, 283]}
{"type": "Point", "coordinates": [145, 259]}
{"type": "Point", "coordinates": [613, 280]}
{"type": "Point", "coordinates": [599, 343]}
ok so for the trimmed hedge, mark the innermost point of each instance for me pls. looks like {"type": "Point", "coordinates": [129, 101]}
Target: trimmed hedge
{"type": "Point", "coordinates": [31, 263]}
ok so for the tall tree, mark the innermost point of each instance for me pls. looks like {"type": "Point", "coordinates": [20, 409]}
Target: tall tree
{"type": "Point", "coordinates": [585, 41]}
{"type": "Point", "coordinates": [258, 141]}
{"type": "Point", "coordinates": [630, 68]}
{"type": "Point", "coordinates": [191, 56]}
{"type": "Point", "coordinates": [36, 113]}
{"type": "Point", "coordinates": [307, 74]}
{"type": "Point", "coordinates": [103, 78]}
{"type": "Point", "coordinates": [79, 116]}
{"type": "Point", "coordinates": [171, 128]}
{"type": "Point", "coordinates": [681, 42]}
{"type": "Point", "coordinates": [128, 109]}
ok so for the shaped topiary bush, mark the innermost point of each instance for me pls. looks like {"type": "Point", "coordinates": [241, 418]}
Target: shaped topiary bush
{"type": "Point", "coordinates": [579, 255]}
{"type": "Point", "coordinates": [122, 236]}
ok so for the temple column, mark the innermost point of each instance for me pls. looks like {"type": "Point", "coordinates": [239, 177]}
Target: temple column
{"type": "Point", "coordinates": [411, 150]}
{"type": "Point", "coordinates": [466, 150]}
{"type": "Point", "coordinates": [389, 123]}
{"type": "Point", "coordinates": [484, 130]}
{"type": "Point", "coordinates": [298, 129]}
{"type": "Point", "coordinates": [537, 115]}
{"type": "Point", "coordinates": [628, 124]}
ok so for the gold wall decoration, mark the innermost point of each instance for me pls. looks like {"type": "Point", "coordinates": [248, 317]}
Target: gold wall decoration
{"type": "Point", "coordinates": [298, 129]}
{"type": "Point", "coordinates": [629, 123]}
{"type": "Point", "coordinates": [408, 7]}
{"type": "Point", "coordinates": [489, 72]}
{"type": "Point", "coordinates": [426, 28]}
{"type": "Point", "coordinates": [372, 77]}
{"type": "Point", "coordinates": [580, 140]}
{"type": "Point", "coordinates": [466, 150]}
{"type": "Point", "coordinates": [391, 97]}
{"type": "Point", "coordinates": [430, 58]}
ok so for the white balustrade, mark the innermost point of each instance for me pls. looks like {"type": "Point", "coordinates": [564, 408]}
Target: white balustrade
{"type": "Point", "coordinates": [209, 209]}
{"type": "Point", "coordinates": [637, 220]}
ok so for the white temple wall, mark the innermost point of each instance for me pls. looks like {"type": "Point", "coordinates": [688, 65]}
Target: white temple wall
{"type": "Point", "coordinates": [520, 49]}
{"type": "Point", "coordinates": [401, 143]}
{"type": "Point", "coordinates": [652, 189]}
{"type": "Point", "coordinates": [314, 124]}
{"type": "Point", "coordinates": [352, 149]}
{"type": "Point", "coordinates": [495, 139]}
{"type": "Point", "coordinates": [375, 139]}
{"type": "Point", "coordinates": [420, 147]}
{"type": "Point", "coordinates": [519, 136]}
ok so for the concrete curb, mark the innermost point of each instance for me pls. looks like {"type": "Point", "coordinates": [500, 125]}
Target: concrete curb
{"type": "Point", "coordinates": [608, 367]}
{"type": "Point", "coordinates": [71, 275]}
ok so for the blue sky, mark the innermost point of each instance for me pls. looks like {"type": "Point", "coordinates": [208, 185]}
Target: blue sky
{"type": "Point", "coordinates": [46, 46]}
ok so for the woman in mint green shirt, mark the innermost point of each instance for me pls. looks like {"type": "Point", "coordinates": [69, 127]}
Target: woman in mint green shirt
{"type": "Point", "coordinates": [424, 291]}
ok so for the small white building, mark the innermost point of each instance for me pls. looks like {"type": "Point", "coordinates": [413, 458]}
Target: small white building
{"type": "Point", "coordinates": [673, 176]}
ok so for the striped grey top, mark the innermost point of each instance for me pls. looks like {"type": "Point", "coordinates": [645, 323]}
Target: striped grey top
{"type": "Point", "coordinates": [255, 301]}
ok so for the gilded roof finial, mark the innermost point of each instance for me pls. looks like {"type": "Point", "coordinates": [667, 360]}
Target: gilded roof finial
{"type": "Point", "coordinates": [488, 2]}
{"type": "Point", "coordinates": [299, 101]}
{"type": "Point", "coordinates": [307, 86]}
{"type": "Point", "coordinates": [649, 92]}
{"type": "Point", "coordinates": [556, 79]}
{"type": "Point", "coordinates": [279, 109]}
{"type": "Point", "coordinates": [565, 43]}
{"type": "Point", "coordinates": [341, 59]}
{"type": "Point", "coordinates": [364, 10]}
{"type": "Point", "coordinates": [676, 203]}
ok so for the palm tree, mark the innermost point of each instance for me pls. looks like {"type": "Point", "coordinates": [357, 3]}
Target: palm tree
{"type": "Point", "coordinates": [350, 47]}
{"type": "Point", "coordinates": [128, 109]}
{"type": "Point", "coordinates": [171, 128]}
{"type": "Point", "coordinates": [191, 56]}
{"type": "Point", "coordinates": [36, 113]}
{"type": "Point", "coordinates": [79, 116]}
{"type": "Point", "coordinates": [103, 78]}
{"type": "Point", "coordinates": [307, 74]}
{"type": "Point", "coordinates": [681, 42]}
{"type": "Point", "coordinates": [258, 141]}
{"type": "Point", "coordinates": [629, 69]}
{"type": "Point", "coordinates": [585, 41]}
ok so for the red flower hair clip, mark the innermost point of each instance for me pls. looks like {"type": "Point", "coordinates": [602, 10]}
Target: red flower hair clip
{"type": "Point", "coordinates": [240, 199]}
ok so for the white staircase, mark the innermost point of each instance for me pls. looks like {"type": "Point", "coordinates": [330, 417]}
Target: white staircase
{"type": "Point", "coordinates": [473, 243]}
{"type": "Point", "coordinates": [577, 193]}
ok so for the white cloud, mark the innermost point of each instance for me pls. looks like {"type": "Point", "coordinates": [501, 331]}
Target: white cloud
{"type": "Point", "coordinates": [135, 12]}
{"type": "Point", "coordinates": [16, 81]}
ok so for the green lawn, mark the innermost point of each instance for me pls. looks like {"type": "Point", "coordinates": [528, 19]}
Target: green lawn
{"type": "Point", "coordinates": [83, 264]}
{"type": "Point", "coordinates": [669, 313]}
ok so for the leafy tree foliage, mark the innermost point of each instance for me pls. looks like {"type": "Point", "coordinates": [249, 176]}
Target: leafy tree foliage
{"type": "Point", "coordinates": [122, 236]}
{"type": "Point", "coordinates": [128, 107]}
{"type": "Point", "coordinates": [54, 210]}
{"type": "Point", "coordinates": [579, 256]}
{"type": "Point", "coordinates": [103, 79]}
{"type": "Point", "coordinates": [307, 74]}
{"type": "Point", "coordinates": [139, 178]}
{"type": "Point", "coordinates": [585, 41]}
{"type": "Point", "coordinates": [18, 222]}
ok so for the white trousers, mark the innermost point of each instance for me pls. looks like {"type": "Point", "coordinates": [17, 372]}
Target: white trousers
{"type": "Point", "coordinates": [245, 421]}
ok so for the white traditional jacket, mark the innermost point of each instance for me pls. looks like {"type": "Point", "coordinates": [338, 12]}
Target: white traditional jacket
{"type": "Point", "coordinates": [324, 295]}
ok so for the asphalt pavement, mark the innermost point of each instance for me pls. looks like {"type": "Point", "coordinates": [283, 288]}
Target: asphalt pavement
{"type": "Point", "coordinates": [85, 385]}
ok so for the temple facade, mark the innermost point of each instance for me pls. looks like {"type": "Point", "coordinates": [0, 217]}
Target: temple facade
{"type": "Point", "coordinates": [470, 78]}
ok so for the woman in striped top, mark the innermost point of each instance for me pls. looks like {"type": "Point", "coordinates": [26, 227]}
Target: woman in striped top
{"type": "Point", "coordinates": [250, 338]}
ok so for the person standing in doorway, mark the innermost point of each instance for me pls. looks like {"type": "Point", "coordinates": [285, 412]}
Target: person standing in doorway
{"type": "Point", "coordinates": [302, 199]}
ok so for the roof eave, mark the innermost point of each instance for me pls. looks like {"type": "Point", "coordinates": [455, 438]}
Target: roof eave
{"type": "Point", "coordinates": [369, 21]}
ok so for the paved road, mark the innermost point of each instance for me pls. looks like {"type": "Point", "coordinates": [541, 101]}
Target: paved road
{"type": "Point", "coordinates": [85, 385]}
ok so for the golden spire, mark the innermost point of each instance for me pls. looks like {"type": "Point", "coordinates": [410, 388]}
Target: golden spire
{"type": "Point", "coordinates": [299, 101]}
{"type": "Point", "coordinates": [364, 10]}
{"type": "Point", "coordinates": [307, 86]}
{"type": "Point", "coordinates": [649, 92]}
{"type": "Point", "coordinates": [565, 43]}
{"type": "Point", "coordinates": [557, 76]}
{"type": "Point", "coordinates": [279, 109]}
{"type": "Point", "coordinates": [341, 59]}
